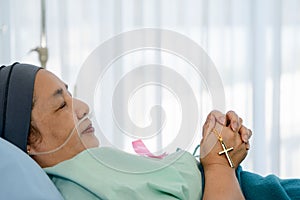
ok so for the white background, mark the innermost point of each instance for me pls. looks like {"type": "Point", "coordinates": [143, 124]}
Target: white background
{"type": "Point", "coordinates": [255, 45]}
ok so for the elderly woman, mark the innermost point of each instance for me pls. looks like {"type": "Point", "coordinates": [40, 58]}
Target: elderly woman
{"type": "Point", "coordinates": [39, 116]}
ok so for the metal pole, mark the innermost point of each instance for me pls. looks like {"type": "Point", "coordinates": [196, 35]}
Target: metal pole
{"type": "Point", "coordinates": [42, 50]}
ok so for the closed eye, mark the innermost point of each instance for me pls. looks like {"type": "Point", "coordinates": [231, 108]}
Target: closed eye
{"type": "Point", "coordinates": [62, 105]}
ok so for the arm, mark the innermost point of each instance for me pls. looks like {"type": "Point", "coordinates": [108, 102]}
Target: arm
{"type": "Point", "coordinates": [220, 179]}
{"type": "Point", "coordinates": [221, 183]}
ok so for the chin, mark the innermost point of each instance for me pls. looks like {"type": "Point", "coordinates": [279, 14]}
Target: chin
{"type": "Point", "coordinates": [90, 141]}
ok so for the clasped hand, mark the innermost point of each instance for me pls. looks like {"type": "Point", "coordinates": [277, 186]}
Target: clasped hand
{"type": "Point", "coordinates": [233, 133]}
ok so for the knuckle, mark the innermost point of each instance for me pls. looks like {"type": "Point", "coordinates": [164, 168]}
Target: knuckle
{"type": "Point", "coordinates": [241, 120]}
{"type": "Point", "coordinates": [215, 113]}
{"type": "Point", "coordinates": [230, 112]}
{"type": "Point", "coordinates": [206, 125]}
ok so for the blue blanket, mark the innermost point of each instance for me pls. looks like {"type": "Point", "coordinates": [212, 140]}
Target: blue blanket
{"type": "Point", "coordinates": [257, 187]}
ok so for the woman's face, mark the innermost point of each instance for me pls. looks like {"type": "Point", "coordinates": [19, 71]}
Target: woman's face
{"type": "Point", "coordinates": [54, 115]}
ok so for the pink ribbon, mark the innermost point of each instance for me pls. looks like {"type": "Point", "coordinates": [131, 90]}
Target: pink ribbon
{"type": "Point", "coordinates": [140, 148]}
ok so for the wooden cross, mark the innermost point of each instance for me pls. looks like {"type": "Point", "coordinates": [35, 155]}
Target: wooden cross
{"type": "Point", "coordinates": [225, 151]}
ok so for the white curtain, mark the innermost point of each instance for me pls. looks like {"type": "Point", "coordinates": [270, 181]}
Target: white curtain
{"type": "Point", "coordinates": [254, 44]}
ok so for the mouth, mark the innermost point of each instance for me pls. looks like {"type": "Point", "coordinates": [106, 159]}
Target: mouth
{"type": "Point", "coordinates": [89, 129]}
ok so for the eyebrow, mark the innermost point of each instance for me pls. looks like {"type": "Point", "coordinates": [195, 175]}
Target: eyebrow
{"type": "Point", "coordinates": [59, 91]}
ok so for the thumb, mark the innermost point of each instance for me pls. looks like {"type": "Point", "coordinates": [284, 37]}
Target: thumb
{"type": "Point", "coordinates": [208, 126]}
{"type": "Point", "coordinates": [209, 139]}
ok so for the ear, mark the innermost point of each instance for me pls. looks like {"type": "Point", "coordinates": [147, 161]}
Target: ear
{"type": "Point", "coordinates": [28, 149]}
{"type": "Point", "coordinates": [33, 142]}
{"type": "Point", "coordinates": [31, 150]}
{"type": "Point", "coordinates": [34, 137]}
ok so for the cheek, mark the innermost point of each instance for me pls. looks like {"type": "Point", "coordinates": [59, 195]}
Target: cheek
{"type": "Point", "coordinates": [56, 128]}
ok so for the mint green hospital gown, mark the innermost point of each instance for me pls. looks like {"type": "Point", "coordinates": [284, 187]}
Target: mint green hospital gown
{"type": "Point", "coordinates": [108, 173]}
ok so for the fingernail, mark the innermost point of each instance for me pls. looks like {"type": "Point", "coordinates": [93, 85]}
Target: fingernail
{"type": "Point", "coordinates": [222, 120]}
{"type": "Point", "coordinates": [234, 126]}
{"type": "Point", "coordinates": [245, 138]}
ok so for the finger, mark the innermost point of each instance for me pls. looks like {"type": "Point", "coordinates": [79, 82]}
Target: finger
{"type": "Point", "coordinates": [245, 134]}
{"type": "Point", "coordinates": [240, 124]}
{"type": "Point", "coordinates": [220, 117]}
{"type": "Point", "coordinates": [233, 120]}
{"type": "Point", "coordinates": [208, 140]}
{"type": "Point", "coordinates": [250, 133]}
{"type": "Point", "coordinates": [247, 146]}
{"type": "Point", "coordinates": [208, 125]}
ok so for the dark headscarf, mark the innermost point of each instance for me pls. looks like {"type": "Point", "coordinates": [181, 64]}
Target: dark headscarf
{"type": "Point", "coordinates": [16, 93]}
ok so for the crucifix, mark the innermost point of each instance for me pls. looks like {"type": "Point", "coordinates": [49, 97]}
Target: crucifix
{"type": "Point", "coordinates": [225, 150]}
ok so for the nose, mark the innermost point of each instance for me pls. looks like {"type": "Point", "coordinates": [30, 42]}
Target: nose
{"type": "Point", "coordinates": [81, 109]}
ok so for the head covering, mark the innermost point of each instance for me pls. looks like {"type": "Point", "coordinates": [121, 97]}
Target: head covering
{"type": "Point", "coordinates": [16, 92]}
